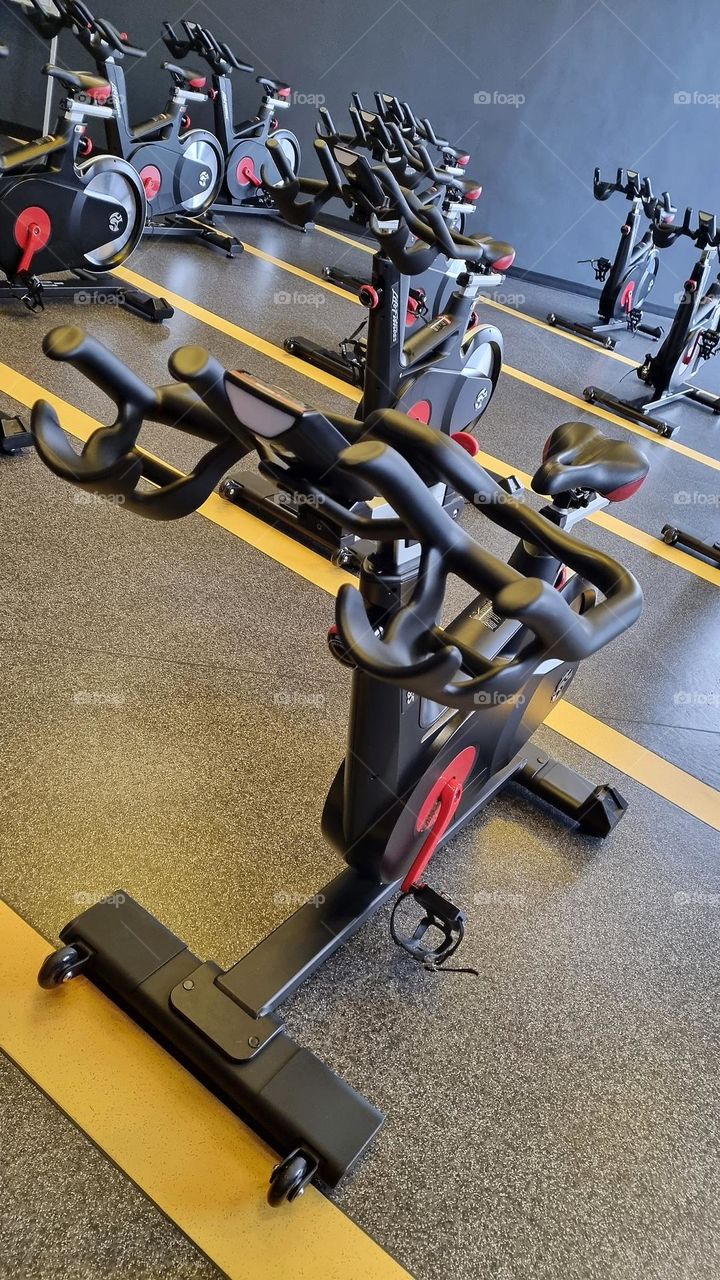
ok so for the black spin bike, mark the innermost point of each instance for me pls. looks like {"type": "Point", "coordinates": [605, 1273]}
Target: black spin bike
{"type": "Point", "coordinates": [441, 716]}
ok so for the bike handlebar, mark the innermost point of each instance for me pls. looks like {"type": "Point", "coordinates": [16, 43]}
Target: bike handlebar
{"type": "Point", "coordinates": [390, 455]}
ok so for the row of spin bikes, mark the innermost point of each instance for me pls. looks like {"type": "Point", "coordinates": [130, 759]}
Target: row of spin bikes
{"type": "Point", "coordinates": [441, 714]}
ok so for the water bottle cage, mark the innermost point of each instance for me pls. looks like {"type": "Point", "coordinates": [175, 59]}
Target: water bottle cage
{"type": "Point", "coordinates": [600, 266]}
{"type": "Point", "coordinates": [708, 342]}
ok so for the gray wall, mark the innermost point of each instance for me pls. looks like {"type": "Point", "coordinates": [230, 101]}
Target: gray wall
{"type": "Point", "coordinates": [597, 80]}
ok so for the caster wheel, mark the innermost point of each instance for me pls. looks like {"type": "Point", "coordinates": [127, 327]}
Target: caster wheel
{"type": "Point", "coordinates": [669, 535]}
{"type": "Point", "coordinates": [589, 394]}
{"type": "Point", "coordinates": [61, 966]}
{"type": "Point", "coordinates": [289, 1179]}
{"type": "Point", "coordinates": [229, 489]}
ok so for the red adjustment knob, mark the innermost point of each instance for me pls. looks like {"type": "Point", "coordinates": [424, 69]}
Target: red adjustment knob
{"type": "Point", "coordinates": [475, 194]}
{"type": "Point", "coordinates": [467, 442]}
{"type": "Point", "coordinates": [369, 297]}
{"type": "Point", "coordinates": [185, 120]}
{"type": "Point", "coordinates": [124, 36]}
{"type": "Point", "coordinates": [691, 286]}
{"type": "Point", "coordinates": [463, 160]}
{"type": "Point", "coordinates": [85, 147]}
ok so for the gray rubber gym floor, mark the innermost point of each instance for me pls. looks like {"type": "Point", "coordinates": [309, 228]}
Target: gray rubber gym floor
{"type": "Point", "coordinates": [556, 1117]}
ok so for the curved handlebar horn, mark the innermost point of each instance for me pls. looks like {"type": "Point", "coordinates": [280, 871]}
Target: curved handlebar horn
{"type": "Point", "coordinates": [110, 463]}
{"type": "Point", "coordinates": [414, 651]}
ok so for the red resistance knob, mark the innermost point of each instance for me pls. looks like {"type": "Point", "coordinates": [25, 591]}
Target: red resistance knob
{"type": "Point", "coordinates": [369, 297]}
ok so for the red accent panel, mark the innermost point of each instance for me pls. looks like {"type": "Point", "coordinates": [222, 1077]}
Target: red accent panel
{"type": "Point", "coordinates": [502, 264]}
{"type": "Point", "coordinates": [412, 310]}
{"type": "Point", "coordinates": [245, 173]}
{"type": "Point", "coordinates": [198, 82]}
{"type": "Point", "coordinates": [467, 442]}
{"type": "Point", "coordinates": [626, 297]}
{"type": "Point", "coordinates": [625, 491]}
{"type": "Point", "coordinates": [438, 810]}
{"type": "Point", "coordinates": [32, 232]}
{"type": "Point", "coordinates": [421, 411]}
{"type": "Point", "coordinates": [100, 94]}
{"type": "Point", "coordinates": [151, 179]}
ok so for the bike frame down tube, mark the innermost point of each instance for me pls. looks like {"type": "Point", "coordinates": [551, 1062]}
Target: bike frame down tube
{"type": "Point", "coordinates": [223, 111]}
{"type": "Point", "coordinates": [389, 356]}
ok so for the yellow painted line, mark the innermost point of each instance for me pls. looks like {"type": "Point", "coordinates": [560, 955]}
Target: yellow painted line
{"type": "Point", "coordinates": [501, 306]}
{"type": "Point", "coordinates": [318, 571]}
{"type": "Point", "coordinates": [652, 771]}
{"type": "Point", "coordinates": [298, 271]}
{"type": "Point", "coordinates": [194, 1159]}
{"type": "Point", "coordinates": [236, 331]}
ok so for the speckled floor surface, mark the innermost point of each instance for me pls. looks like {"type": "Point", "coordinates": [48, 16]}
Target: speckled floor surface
{"type": "Point", "coordinates": [559, 1116]}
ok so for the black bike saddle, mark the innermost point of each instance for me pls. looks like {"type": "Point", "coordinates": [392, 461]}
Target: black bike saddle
{"type": "Point", "coordinates": [274, 86]}
{"type": "Point", "coordinates": [93, 86]}
{"type": "Point", "coordinates": [578, 456]}
{"type": "Point", "coordinates": [497, 253]}
{"type": "Point", "coordinates": [183, 76]}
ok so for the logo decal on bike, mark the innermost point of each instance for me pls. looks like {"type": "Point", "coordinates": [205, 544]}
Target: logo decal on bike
{"type": "Point", "coordinates": [481, 399]}
{"type": "Point", "coordinates": [204, 177]}
{"type": "Point", "coordinates": [116, 221]}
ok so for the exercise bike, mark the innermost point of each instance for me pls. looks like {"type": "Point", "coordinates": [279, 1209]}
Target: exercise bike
{"type": "Point", "coordinates": [244, 145]}
{"type": "Point", "coordinates": [445, 373]}
{"type": "Point", "coordinates": [65, 211]}
{"type": "Point", "coordinates": [447, 369]}
{"type": "Point", "coordinates": [630, 277]}
{"type": "Point", "coordinates": [692, 339]}
{"type": "Point", "coordinates": [180, 168]}
{"type": "Point", "coordinates": [674, 537]}
{"type": "Point", "coordinates": [392, 110]}
{"type": "Point", "coordinates": [440, 721]}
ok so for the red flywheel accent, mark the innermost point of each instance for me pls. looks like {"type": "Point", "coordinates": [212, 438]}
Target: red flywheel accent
{"type": "Point", "coordinates": [33, 229]}
{"type": "Point", "coordinates": [151, 179]}
{"type": "Point", "coordinates": [438, 809]}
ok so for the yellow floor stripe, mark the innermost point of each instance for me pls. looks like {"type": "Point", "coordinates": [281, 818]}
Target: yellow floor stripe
{"type": "Point", "coordinates": [298, 271]}
{"type": "Point", "coordinates": [236, 331]}
{"type": "Point", "coordinates": [315, 569]}
{"type": "Point", "coordinates": [636, 761]}
{"type": "Point", "coordinates": [205, 1169]}
{"type": "Point", "coordinates": [501, 306]}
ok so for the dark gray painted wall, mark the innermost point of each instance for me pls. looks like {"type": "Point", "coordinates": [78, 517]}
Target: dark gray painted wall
{"type": "Point", "coordinates": [598, 80]}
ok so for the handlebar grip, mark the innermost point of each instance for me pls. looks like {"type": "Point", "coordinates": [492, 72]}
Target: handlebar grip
{"type": "Point", "coordinates": [206, 376]}
{"type": "Point", "coordinates": [71, 345]}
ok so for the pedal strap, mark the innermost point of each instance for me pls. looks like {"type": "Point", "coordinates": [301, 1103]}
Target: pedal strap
{"type": "Point", "coordinates": [441, 915]}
